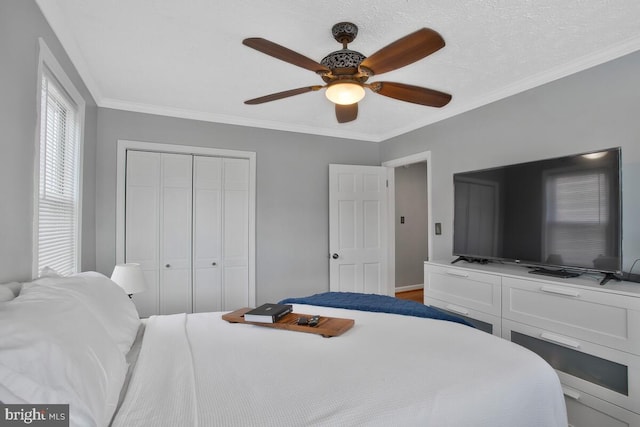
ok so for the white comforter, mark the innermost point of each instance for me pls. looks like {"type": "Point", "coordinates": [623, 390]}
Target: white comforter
{"type": "Point", "coordinates": [199, 370]}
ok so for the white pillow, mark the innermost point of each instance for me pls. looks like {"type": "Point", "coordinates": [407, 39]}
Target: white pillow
{"type": "Point", "coordinates": [13, 287]}
{"type": "Point", "coordinates": [53, 350]}
{"type": "Point", "coordinates": [6, 294]}
{"type": "Point", "coordinates": [107, 301]}
{"type": "Point", "coordinates": [49, 272]}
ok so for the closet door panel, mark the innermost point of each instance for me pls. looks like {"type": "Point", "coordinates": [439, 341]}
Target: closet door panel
{"type": "Point", "coordinates": [176, 228]}
{"type": "Point", "coordinates": [236, 233]}
{"type": "Point", "coordinates": [175, 234]}
{"type": "Point", "coordinates": [207, 283]}
{"type": "Point", "coordinates": [235, 227]}
{"type": "Point", "coordinates": [207, 231]}
{"type": "Point", "coordinates": [207, 290]}
{"type": "Point", "coordinates": [142, 244]}
{"type": "Point", "coordinates": [142, 226]}
{"type": "Point", "coordinates": [207, 234]}
{"type": "Point", "coordinates": [142, 204]}
{"type": "Point", "coordinates": [175, 292]}
{"type": "Point", "coordinates": [148, 302]}
{"type": "Point", "coordinates": [235, 287]}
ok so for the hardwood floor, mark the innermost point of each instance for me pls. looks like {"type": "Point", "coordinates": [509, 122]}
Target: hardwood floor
{"type": "Point", "coordinates": [416, 295]}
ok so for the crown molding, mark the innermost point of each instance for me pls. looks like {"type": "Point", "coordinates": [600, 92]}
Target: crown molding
{"type": "Point", "coordinates": [588, 61]}
{"type": "Point", "coordinates": [231, 120]}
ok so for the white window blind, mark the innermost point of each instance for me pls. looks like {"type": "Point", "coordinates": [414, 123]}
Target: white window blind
{"type": "Point", "coordinates": [58, 198]}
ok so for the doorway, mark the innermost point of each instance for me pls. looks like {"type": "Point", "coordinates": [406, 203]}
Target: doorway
{"type": "Point", "coordinates": [419, 160]}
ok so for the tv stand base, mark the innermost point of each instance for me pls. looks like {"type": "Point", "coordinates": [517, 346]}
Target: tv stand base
{"type": "Point", "coordinates": [470, 259]}
{"type": "Point", "coordinates": [607, 277]}
{"type": "Point", "coordinates": [562, 274]}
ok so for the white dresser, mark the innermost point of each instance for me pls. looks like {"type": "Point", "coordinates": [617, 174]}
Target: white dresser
{"type": "Point", "coordinates": [589, 333]}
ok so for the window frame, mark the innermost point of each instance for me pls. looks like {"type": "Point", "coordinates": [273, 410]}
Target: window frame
{"type": "Point", "coordinates": [48, 62]}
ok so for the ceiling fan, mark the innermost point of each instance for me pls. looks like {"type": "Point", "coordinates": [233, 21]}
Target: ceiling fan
{"type": "Point", "coordinates": [346, 71]}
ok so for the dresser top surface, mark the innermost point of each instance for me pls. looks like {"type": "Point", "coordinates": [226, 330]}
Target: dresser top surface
{"type": "Point", "coordinates": [586, 280]}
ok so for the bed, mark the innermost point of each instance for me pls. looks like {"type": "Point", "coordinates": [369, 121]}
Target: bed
{"type": "Point", "coordinates": [78, 340]}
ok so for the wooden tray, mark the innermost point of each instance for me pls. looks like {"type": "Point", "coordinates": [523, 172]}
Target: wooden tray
{"type": "Point", "coordinates": [327, 326]}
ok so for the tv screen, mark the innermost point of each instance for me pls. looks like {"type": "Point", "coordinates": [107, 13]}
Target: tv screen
{"type": "Point", "coordinates": [563, 212]}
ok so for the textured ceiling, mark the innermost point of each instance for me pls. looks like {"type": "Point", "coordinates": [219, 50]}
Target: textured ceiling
{"type": "Point", "coordinates": [186, 58]}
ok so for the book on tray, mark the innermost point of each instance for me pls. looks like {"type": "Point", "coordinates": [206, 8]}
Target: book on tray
{"type": "Point", "coordinates": [268, 313]}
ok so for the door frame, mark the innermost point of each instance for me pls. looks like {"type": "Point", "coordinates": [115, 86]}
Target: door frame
{"type": "Point", "coordinates": [424, 156]}
{"type": "Point", "coordinates": [121, 163]}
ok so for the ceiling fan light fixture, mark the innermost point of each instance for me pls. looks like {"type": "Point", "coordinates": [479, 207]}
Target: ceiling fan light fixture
{"type": "Point", "coordinates": [346, 71]}
{"type": "Point", "coordinates": [345, 93]}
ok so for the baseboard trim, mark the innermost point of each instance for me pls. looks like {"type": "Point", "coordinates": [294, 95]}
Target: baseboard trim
{"type": "Point", "coordinates": [409, 288]}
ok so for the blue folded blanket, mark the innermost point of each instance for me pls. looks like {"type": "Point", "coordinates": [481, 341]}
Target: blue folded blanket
{"type": "Point", "coordinates": [376, 303]}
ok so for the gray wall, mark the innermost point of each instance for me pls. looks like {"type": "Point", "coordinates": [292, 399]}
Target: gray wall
{"type": "Point", "coordinates": [21, 23]}
{"type": "Point", "coordinates": [292, 192]}
{"type": "Point", "coordinates": [411, 237]}
{"type": "Point", "coordinates": [593, 109]}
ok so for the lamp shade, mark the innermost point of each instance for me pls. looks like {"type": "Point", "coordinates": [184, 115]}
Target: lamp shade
{"type": "Point", "coordinates": [129, 277]}
{"type": "Point", "coordinates": [345, 93]}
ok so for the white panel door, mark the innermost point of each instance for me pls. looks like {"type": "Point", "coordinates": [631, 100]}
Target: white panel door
{"type": "Point", "coordinates": [358, 229]}
{"type": "Point", "coordinates": [142, 222]}
{"type": "Point", "coordinates": [235, 231]}
{"type": "Point", "coordinates": [175, 234]}
{"type": "Point", "coordinates": [207, 234]}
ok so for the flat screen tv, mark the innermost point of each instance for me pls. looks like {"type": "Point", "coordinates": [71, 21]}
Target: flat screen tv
{"type": "Point", "coordinates": [561, 214]}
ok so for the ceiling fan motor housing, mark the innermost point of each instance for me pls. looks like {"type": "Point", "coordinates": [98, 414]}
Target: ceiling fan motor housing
{"type": "Point", "coordinates": [344, 63]}
{"type": "Point", "coordinates": [344, 32]}
{"type": "Point", "coordinates": [343, 58]}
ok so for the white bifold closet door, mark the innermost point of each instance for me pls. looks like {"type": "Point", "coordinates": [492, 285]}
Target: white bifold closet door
{"type": "Point", "coordinates": [175, 233]}
{"type": "Point", "coordinates": [187, 224]}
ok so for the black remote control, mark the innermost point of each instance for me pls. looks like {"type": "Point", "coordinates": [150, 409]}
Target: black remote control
{"type": "Point", "coordinates": [313, 321]}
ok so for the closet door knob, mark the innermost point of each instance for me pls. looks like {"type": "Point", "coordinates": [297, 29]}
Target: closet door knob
{"type": "Point", "coordinates": [168, 265]}
{"type": "Point", "coordinates": [213, 263]}
{"type": "Point", "coordinates": [335, 256]}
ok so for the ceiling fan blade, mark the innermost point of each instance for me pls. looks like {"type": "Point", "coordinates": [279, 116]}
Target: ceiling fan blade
{"type": "Point", "coordinates": [409, 93]}
{"type": "Point", "coordinates": [404, 51]}
{"type": "Point", "coordinates": [284, 54]}
{"type": "Point", "coordinates": [346, 113]}
{"type": "Point", "coordinates": [280, 95]}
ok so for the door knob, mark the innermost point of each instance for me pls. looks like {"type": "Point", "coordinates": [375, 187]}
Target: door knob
{"type": "Point", "coordinates": [213, 263]}
{"type": "Point", "coordinates": [168, 265]}
{"type": "Point", "coordinates": [335, 256]}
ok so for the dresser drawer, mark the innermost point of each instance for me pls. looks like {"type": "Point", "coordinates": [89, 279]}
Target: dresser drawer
{"type": "Point", "coordinates": [604, 318]}
{"type": "Point", "coordinates": [485, 322]}
{"type": "Point", "coordinates": [462, 287]}
{"type": "Point", "coordinates": [584, 410]}
{"type": "Point", "coordinates": [603, 372]}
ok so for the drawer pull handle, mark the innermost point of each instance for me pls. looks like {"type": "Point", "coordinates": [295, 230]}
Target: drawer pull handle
{"type": "Point", "coordinates": [560, 340]}
{"type": "Point", "coordinates": [569, 392]}
{"type": "Point", "coordinates": [456, 309]}
{"type": "Point", "coordinates": [560, 291]}
{"type": "Point", "coordinates": [457, 273]}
